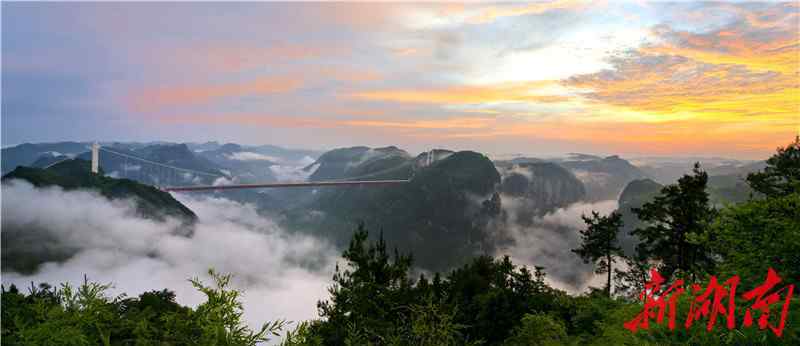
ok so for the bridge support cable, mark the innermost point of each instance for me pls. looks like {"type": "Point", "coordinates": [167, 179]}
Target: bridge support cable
{"type": "Point", "coordinates": [170, 175]}
{"type": "Point", "coordinates": [159, 164]}
{"type": "Point", "coordinates": [274, 185]}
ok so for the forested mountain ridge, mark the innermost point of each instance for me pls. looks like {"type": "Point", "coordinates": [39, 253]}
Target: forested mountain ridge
{"type": "Point", "coordinates": [358, 161]}
{"type": "Point", "coordinates": [25, 246]}
{"type": "Point", "coordinates": [76, 174]}
{"type": "Point", "coordinates": [435, 213]}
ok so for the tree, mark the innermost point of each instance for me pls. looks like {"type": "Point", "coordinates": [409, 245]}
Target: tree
{"type": "Point", "coordinates": [781, 177]}
{"type": "Point", "coordinates": [751, 237]}
{"type": "Point", "coordinates": [368, 295]}
{"type": "Point", "coordinates": [221, 316]}
{"type": "Point", "coordinates": [538, 329]}
{"type": "Point", "coordinates": [680, 210]}
{"type": "Point", "coordinates": [599, 243]}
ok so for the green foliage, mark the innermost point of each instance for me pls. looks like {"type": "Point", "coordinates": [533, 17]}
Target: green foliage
{"type": "Point", "coordinates": [538, 329]}
{"type": "Point", "coordinates": [433, 324]}
{"type": "Point", "coordinates": [781, 177]}
{"type": "Point", "coordinates": [751, 237]}
{"type": "Point", "coordinates": [84, 315]}
{"type": "Point", "coordinates": [368, 294]}
{"type": "Point", "coordinates": [302, 335]}
{"type": "Point", "coordinates": [492, 295]}
{"type": "Point", "coordinates": [599, 243]}
{"type": "Point", "coordinates": [221, 316]}
{"type": "Point", "coordinates": [679, 212]}
{"type": "Point", "coordinates": [373, 301]}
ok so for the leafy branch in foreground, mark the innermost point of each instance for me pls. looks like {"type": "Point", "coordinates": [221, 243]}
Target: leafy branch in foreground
{"type": "Point", "coordinates": [221, 315]}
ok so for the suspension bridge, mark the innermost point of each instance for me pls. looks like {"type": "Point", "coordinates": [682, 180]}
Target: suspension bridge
{"type": "Point", "coordinates": [169, 173]}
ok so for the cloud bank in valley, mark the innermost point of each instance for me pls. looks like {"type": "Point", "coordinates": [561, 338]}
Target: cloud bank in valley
{"type": "Point", "coordinates": [548, 240]}
{"type": "Point", "coordinates": [283, 275]}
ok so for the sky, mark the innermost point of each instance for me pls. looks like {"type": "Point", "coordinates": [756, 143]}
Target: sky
{"type": "Point", "coordinates": [633, 78]}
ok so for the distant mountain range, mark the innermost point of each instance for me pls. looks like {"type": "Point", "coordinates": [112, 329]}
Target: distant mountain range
{"type": "Point", "coordinates": [28, 153]}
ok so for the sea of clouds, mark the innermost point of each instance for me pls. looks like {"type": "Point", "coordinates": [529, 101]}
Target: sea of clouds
{"type": "Point", "coordinates": [283, 275]}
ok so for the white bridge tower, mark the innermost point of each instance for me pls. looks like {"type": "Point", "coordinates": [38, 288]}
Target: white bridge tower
{"type": "Point", "coordinates": [95, 158]}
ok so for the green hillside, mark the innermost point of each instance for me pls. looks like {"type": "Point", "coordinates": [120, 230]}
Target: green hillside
{"type": "Point", "coordinates": [76, 174]}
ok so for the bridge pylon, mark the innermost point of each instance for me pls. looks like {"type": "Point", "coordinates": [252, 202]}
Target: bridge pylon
{"type": "Point", "coordinates": [95, 158]}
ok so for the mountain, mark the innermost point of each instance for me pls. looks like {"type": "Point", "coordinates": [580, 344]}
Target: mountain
{"type": "Point", "coordinates": [199, 147]}
{"type": "Point", "coordinates": [25, 249]}
{"type": "Point", "coordinates": [284, 155]}
{"type": "Point", "coordinates": [247, 166]}
{"type": "Point", "coordinates": [437, 214]}
{"type": "Point", "coordinates": [74, 174]}
{"type": "Point", "coordinates": [722, 189]}
{"type": "Point", "coordinates": [26, 154]}
{"type": "Point", "coordinates": [603, 178]}
{"type": "Point", "coordinates": [582, 157]}
{"type": "Point", "coordinates": [48, 159]}
{"type": "Point", "coordinates": [669, 170]}
{"type": "Point", "coordinates": [539, 187]}
{"type": "Point", "coordinates": [360, 162]}
{"type": "Point", "coordinates": [730, 188]}
{"type": "Point", "coordinates": [634, 195]}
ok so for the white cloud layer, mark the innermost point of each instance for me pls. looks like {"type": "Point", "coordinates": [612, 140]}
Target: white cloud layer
{"type": "Point", "coordinates": [548, 241]}
{"type": "Point", "coordinates": [283, 275]}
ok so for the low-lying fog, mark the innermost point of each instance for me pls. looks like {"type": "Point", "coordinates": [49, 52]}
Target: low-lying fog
{"type": "Point", "coordinates": [282, 274]}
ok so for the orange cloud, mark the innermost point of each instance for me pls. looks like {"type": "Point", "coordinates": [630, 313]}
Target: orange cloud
{"type": "Point", "coordinates": [451, 123]}
{"type": "Point", "coordinates": [151, 99]}
{"type": "Point", "coordinates": [321, 73]}
{"type": "Point", "coordinates": [507, 92]}
{"type": "Point", "coordinates": [671, 83]}
{"type": "Point", "coordinates": [742, 73]}
{"type": "Point", "coordinates": [227, 57]}
{"type": "Point", "coordinates": [772, 48]}
{"type": "Point", "coordinates": [405, 51]}
{"type": "Point", "coordinates": [707, 137]}
{"type": "Point", "coordinates": [319, 122]}
{"type": "Point", "coordinates": [247, 119]}
{"type": "Point", "coordinates": [492, 13]}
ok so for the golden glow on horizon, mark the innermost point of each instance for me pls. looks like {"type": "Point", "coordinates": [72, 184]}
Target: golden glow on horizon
{"type": "Point", "coordinates": [736, 86]}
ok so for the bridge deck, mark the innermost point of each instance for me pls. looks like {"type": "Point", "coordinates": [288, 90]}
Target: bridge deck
{"type": "Point", "coordinates": [273, 185]}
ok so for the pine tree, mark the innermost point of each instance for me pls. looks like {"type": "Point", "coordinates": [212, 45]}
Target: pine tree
{"type": "Point", "coordinates": [599, 243]}
{"type": "Point", "coordinates": [368, 294]}
{"type": "Point", "coordinates": [781, 177]}
{"type": "Point", "coordinates": [680, 211]}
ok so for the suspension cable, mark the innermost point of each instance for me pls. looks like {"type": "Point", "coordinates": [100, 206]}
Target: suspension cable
{"type": "Point", "coordinates": [160, 164]}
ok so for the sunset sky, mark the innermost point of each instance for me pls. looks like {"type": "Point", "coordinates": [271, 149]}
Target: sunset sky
{"type": "Point", "coordinates": [544, 78]}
